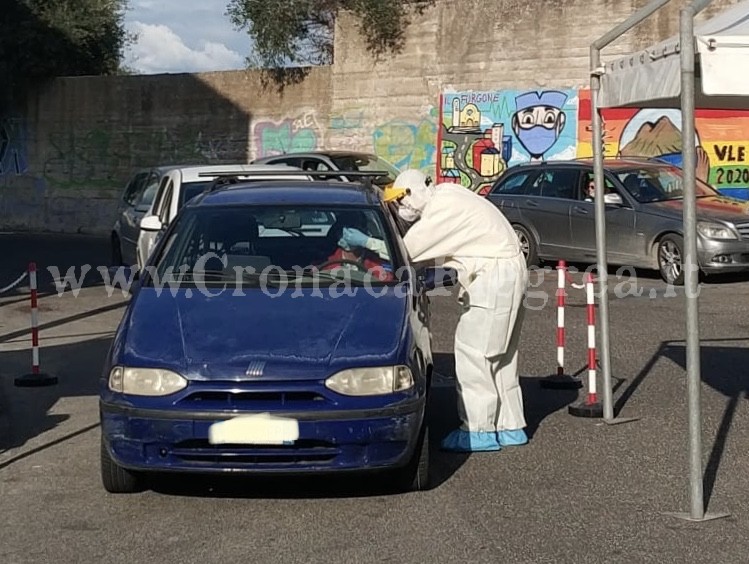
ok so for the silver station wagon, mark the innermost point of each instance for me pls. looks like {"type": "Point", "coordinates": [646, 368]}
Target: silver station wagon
{"type": "Point", "coordinates": [551, 207]}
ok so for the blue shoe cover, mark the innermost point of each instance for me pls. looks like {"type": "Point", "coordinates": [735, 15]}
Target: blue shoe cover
{"type": "Point", "coordinates": [464, 441]}
{"type": "Point", "coordinates": [512, 438]}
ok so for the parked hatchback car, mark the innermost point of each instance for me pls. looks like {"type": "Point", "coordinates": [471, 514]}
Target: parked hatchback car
{"type": "Point", "coordinates": [179, 185]}
{"type": "Point", "coordinates": [554, 217]}
{"type": "Point", "coordinates": [259, 358]}
{"type": "Point", "coordinates": [135, 202]}
{"type": "Point", "coordinates": [354, 161]}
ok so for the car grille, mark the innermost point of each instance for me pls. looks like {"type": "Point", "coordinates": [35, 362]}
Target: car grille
{"type": "Point", "coordinates": [743, 229]}
{"type": "Point", "coordinates": [301, 452]}
{"type": "Point", "coordinates": [256, 400]}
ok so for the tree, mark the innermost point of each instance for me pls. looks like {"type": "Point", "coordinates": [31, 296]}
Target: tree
{"type": "Point", "coordinates": [299, 33]}
{"type": "Point", "coordinates": [43, 39]}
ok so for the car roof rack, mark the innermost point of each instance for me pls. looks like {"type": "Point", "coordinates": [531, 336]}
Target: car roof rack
{"type": "Point", "coordinates": [228, 178]}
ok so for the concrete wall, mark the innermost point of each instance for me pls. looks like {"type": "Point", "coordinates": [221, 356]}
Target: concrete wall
{"type": "Point", "coordinates": [65, 158]}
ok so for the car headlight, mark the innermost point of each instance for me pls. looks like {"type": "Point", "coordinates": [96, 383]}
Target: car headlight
{"type": "Point", "coordinates": [371, 381]}
{"type": "Point", "coordinates": [715, 230]}
{"type": "Point", "coordinates": [145, 381]}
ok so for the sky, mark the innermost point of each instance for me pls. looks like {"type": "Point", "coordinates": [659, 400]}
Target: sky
{"type": "Point", "coordinates": [183, 36]}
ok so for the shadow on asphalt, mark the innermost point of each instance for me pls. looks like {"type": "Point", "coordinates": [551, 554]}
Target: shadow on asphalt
{"type": "Point", "coordinates": [723, 368]}
{"type": "Point", "coordinates": [63, 262]}
{"type": "Point", "coordinates": [77, 367]}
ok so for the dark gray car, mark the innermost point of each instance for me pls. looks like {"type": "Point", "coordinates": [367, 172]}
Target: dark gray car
{"type": "Point", "coordinates": [554, 216]}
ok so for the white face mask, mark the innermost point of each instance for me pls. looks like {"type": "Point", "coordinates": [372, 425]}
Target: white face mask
{"type": "Point", "coordinates": [408, 214]}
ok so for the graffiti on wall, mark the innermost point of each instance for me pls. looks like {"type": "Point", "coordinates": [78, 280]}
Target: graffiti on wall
{"type": "Point", "coordinates": [481, 134]}
{"type": "Point", "coordinates": [294, 134]}
{"type": "Point", "coordinates": [406, 143]}
{"type": "Point", "coordinates": [13, 145]}
{"type": "Point", "coordinates": [100, 158]}
{"type": "Point", "coordinates": [722, 138]}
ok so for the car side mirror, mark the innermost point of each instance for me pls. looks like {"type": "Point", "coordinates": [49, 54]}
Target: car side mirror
{"type": "Point", "coordinates": [438, 277]}
{"type": "Point", "coordinates": [613, 199]}
{"type": "Point", "coordinates": [151, 223]}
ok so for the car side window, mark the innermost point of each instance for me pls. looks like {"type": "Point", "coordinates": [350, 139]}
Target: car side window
{"type": "Point", "coordinates": [556, 183]}
{"type": "Point", "coordinates": [160, 195]}
{"type": "Point", "coordinates": [134, 187]}
{"type": "Point", "coordinates": [288, 161]}
{"type": "Point", "coordinates": [515, 184]}
{"type": "Point", "coordinates": [315, 165]}
{"type": "Point", "coordinates": [164, 214]}
{"type": "Point", "coordinates": [587, 189]}
{"type": "Point", "coordinates": [146, 197]}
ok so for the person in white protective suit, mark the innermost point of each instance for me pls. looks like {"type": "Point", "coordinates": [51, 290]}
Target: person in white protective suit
{"type": "Point", "coordinates": [457, 228]}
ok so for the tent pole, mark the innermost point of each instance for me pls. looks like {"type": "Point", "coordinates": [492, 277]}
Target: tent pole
{"type": "Point", "coordinates": [600, 207]}
{"type": "Point", "coordinates": [690, 264]}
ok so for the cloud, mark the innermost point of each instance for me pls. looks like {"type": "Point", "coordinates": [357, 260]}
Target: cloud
{"type": "Point", "coordinates": [160, 50]}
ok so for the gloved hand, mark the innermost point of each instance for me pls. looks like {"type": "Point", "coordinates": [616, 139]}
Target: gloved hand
{"type": "Point", "coordinates": [353, 238]}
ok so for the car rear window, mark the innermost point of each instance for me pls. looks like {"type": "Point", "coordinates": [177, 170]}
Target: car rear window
{"type": "Point", "coordinates": [275, 239]}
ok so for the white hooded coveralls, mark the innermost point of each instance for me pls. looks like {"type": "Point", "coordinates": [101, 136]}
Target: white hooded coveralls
{"type": "Point", "coordinates": [467, 232]}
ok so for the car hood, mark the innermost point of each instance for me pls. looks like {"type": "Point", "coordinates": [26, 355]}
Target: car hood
{"type": "Point", "coordinates": [258, 335]}
{"type": "Point", "coordinates": [709, 208]}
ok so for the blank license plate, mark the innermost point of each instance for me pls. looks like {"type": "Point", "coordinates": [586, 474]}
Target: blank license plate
{"type": "Point", "coordinates": [261, 429]}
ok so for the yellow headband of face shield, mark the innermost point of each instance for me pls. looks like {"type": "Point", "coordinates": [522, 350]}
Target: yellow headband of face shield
{"type": "Point", "coordinates": [393, 194]}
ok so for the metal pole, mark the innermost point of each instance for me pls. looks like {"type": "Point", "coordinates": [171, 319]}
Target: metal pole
{"type": "Point", "coordinates": [600, 206]}
{"type": "Point", "coordinates": [691, 273]}
{"type": "Point", "coordinates": [689, 157]}
{"type": "Point", "coordinates": [601, 248]}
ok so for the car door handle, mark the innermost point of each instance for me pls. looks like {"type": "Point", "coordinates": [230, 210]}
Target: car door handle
{"type": "Point", "coordinates": [578, 209]}
{"type": "Point", "coordinates": [532, 203]}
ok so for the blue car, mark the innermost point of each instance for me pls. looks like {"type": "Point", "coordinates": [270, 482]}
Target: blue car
{"type": "Point", "coordinates": [258, 341]}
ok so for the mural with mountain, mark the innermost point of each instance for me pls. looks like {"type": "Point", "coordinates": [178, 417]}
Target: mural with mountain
{"type": "Point", "coordinates": [722, 141]}
{"type": "Point", "coordinates": [662, 139]}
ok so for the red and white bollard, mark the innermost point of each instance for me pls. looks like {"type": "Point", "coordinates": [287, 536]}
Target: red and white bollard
{"type": "Point", "coordinates": [36, 377]}
{"type": "Point", "coordinates": [590, 407]}
{"type": "Point", "coordinates": [560, 379]}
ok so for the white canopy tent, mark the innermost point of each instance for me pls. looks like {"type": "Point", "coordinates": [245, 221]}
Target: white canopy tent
{"type": "Point", "coordinates": [653, 76]}
{"type": "Point", "coordinates": [710, 74]}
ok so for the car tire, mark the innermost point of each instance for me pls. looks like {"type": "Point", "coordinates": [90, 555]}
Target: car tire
{"type": "Point", "coordinates": [115, 478]}
{"type": "Point", "coordinates": [116, 251]}
{"type": "Point", "coordinates": [415, 475]}
{"type": "Point", "coordinates": [527, 244]}
{"type": "Point", "coordinates": [671, 259]}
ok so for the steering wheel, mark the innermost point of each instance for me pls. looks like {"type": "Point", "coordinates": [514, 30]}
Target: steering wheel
{"type": "Point", "coordinates": [357, 264]}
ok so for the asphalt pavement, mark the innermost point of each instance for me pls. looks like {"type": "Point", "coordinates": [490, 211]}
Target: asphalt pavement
{"type": "Point", "coordinates": [580, 491]}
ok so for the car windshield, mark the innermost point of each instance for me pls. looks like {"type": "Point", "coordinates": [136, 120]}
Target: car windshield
{"type": "Point", "coordinates": [367, 163]}
{"type": "Point", "coordinates": [659, 184]}
{"type": "Point", "coordinates": [264, 244]}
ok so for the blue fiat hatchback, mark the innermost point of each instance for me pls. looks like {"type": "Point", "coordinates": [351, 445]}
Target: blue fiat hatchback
{"type": "Point", "coordinates": [257, 340]}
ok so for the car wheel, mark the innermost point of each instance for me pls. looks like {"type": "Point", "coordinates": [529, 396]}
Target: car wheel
{"type": "Point", "coordinates": [415, 475]}
{"type": "Point", "coordinates": [115, 478]}
{"type": "Point", "coordinates": [116, 251]}
{"type": "Point", "coordinates": [671, 259]}
{"type": "Point", "coordinates": [527, 245]}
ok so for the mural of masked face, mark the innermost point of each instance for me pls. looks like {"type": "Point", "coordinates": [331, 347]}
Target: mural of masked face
{"type": "Point", "coordinates": [538, 128]}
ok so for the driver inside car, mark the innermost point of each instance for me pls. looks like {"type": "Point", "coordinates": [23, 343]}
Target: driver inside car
{"type": "Point", "coordinates": [353, 245]}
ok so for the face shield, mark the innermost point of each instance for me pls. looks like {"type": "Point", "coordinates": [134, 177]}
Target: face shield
{"type": "Point", "coordinates": [410, 193]}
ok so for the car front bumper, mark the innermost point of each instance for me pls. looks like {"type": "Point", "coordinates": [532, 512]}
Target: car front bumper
{"type": "Point", "coordinates": [723, 256]}
{"type": "Point", "coordinates": [331, 441]}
